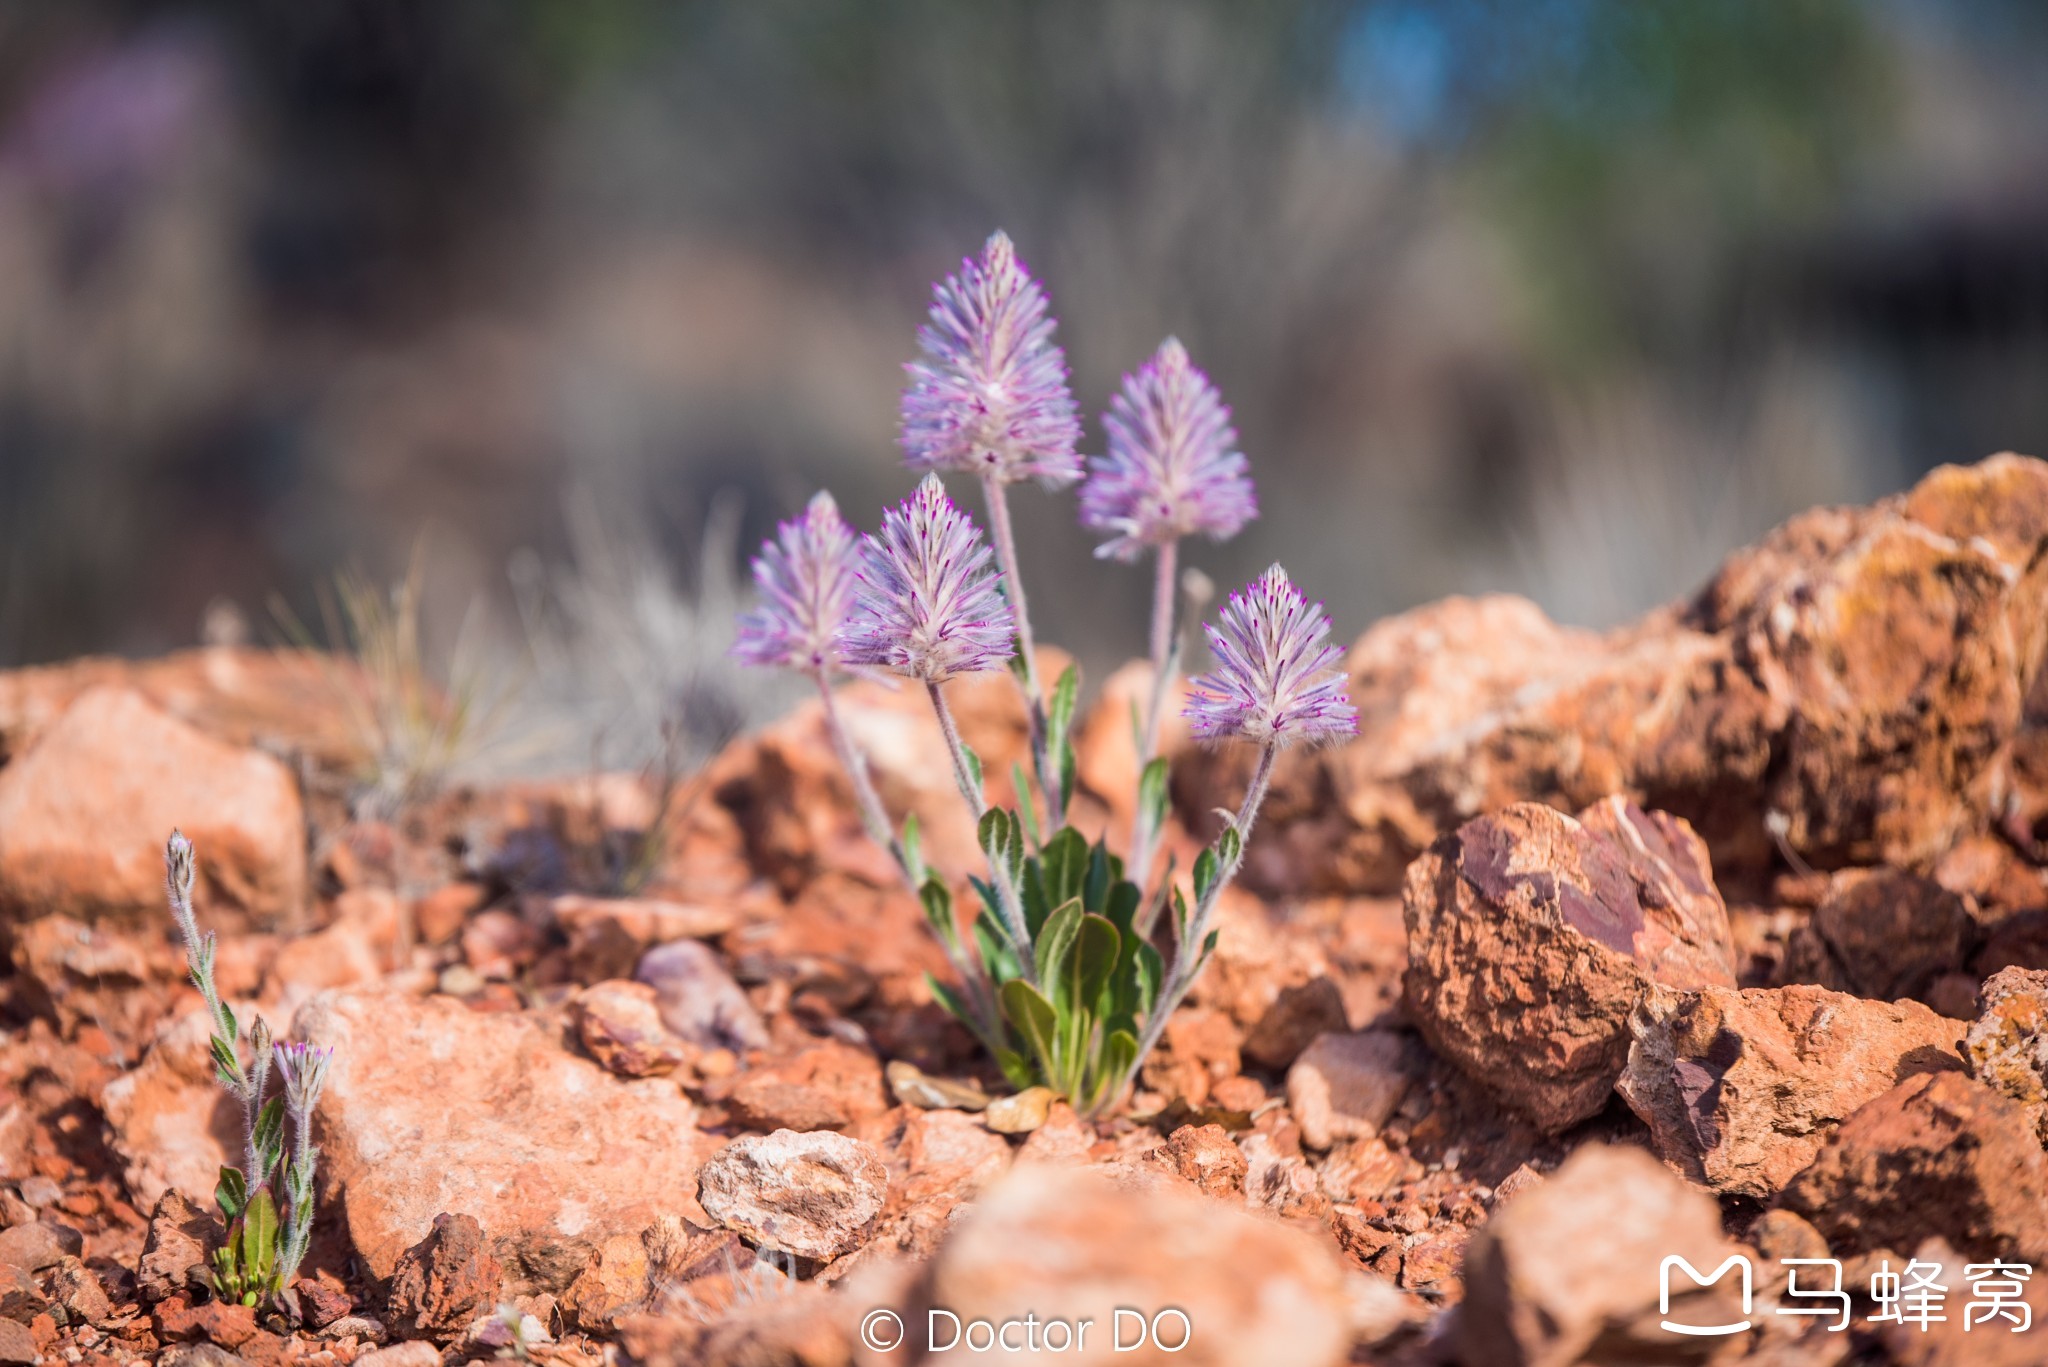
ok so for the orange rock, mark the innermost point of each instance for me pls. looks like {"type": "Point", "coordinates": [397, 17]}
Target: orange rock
{"type": "Point", "coordinates": [545, 1149]}
{"type": "Point", "coordinates": [85, 812]}
{"type": "Point", "coordinates": [1741, 1089]}
{"type": "Point", "coordinates": [1531, 935]}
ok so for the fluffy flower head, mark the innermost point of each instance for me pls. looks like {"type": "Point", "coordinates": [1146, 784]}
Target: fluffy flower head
{"type": "Point", "coordinates": [1276, 677]}
{"type": "Point", "coordinates": [990, 395]}
{"type": "Point", "coordinates": [926, 603]}
{"type": "Point", "coordinates": [304, 1070]}
{"type": "Point", "coordinates": [1173, 468]}
{"type": "Point", "coordinates": [805, 575]}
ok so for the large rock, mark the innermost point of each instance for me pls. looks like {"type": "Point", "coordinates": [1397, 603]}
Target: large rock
{"type": "Point", "coordinates": [1345, 1086]}
{"type": "Point", "coordinates": [85, 812]}
{"type": "Point", "coordinates": [172, 1123]}
{"type": "Point", "coordinates": [2007, 1046]}
{"type": "Point", "coordinates": [1889, 933]}
{"type": "Point", "coordinates": [812, 1195]}
{"type": "Point", "coordinates": [1799, 681]}
{"type": "Point", "coordinates": [1574, 1261]}
{"type": "Point", "coordinates": [1531, 935]}
{"type": "Point", "coordinates": [1064, 1244]}
{"type": "Point", "coordinates": [1741, 1089]}
{"type": "Point", "coordinates": [1937, 1155]}
{"type": "Point", "coordinates": [434, 1108]}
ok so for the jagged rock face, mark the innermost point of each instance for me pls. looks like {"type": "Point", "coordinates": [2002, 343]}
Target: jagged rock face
{"type": "Point", "coordinates": [1531, 936]}
{"type": "Point", "coordinates": [1800, 682]}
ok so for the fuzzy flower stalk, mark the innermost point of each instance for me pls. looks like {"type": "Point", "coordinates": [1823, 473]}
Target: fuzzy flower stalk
{"type": "Point", "coordinates": [916, 600]}
{"type": "Point", "coordinates": [264, 1245]}
{"type": "Point", "coordinates": [804, 575]}
{"type": "Point", "coordinates": [1172, 470]}
{"type": "Point", "coordinates": [989, 398]}
{"type": "Point", "coordinates": [303, 1069]}
{"type": "Point", "coordinates": [1277, 682]}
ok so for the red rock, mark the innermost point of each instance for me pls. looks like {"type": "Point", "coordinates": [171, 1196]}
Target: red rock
{"type": "Point", "coordinates": [1741, 1089]}
{"type": "Point", "coordinates": [1571, 1262]}
{"type": "Point", "coordinates": [613, 1282]}
{"type": "Point", "coordinates": [230, 1326]}
{"type": "Point", "coordinates": [498, 944]}
{"type": "Point", "coordinates": [1780, 1234]}
{"type": "Point", "coordinates": [1800, 681]}
{"type": "Point", "coordinates": [1064, 1244]}
{"type": "Point", "coordinates": [174, 1254]}
{"type": "Point", "coordinates": [85, 811]}
{"type": "Point", "coordinates": [1206, 1157]}
{"type": "Point", "coordinates": [439, 916]}
{"type": "Point", "coordinates": [815, 1196]}
{"type": "Point", "coordinates": [39, 1244]}
{"type": "Point", "coordinates": [75, 1287]}
{"type": "Point", "coordinates": [1346, 1086]}
{"type": "Point", "coordinates": [1298, 1014]}
{"type": "Point", "coordinates": [2007, 1046]}
{"type": "Point", "coordinates": [17, 1345]}
{"type": "Point", "coordinates": [824, 1087]}
{"type": "Point", "coordinates": [607, 935]}
{"type": "Point", "coordinates": [620, 1024]}
{"type": "Point", "coordinates": [173, 1125]}
{"type": "Point", "coordinates": [445, 1280]}
{"type": "Point", "coordinates": [93, 975]}
{"type": "Point", "coordinates": [1937, 1155]}
{"type": "Point", "coordinates": [1893, 933]}
{"type": "Point", "coordinates": [550, 1153]}
{"type": "Point", "coordinates": [1530, 936]}
{"type": "Point", "coordinates": [322, 1301]}
{"type": "Point", "coordinates": [698, 999]}
{"type": "Point", "coordinates": [1197, 1049]}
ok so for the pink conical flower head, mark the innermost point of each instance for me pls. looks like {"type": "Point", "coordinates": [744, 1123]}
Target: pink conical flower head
{"type": "Point", "coordinates": [805, 577]}
{"type": "Point", "coordinates": [989, 397]}
{"type": "Point", "coordinates": [926, 603]}
{"type": "Point", "coordinates": [1276, 678]}
{"type": "Point", "coordinates": [1173, 468]}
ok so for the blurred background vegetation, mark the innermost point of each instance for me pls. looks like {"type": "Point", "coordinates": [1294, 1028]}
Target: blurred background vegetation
{"type": "Point", "coordinates": [564, 304]}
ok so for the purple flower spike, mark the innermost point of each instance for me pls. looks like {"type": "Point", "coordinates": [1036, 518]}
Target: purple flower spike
{"type": "Point", "coordinates": [1276, 679]}
{"type": "Point", "coordinates": [1173, 468]}
{"type": "Point", "coordinates": [925, 602]}
{"type": "Point", "coordinates": [304, 1070]}
{"type": "Point", "coordinates": [990, 396]}
{"type": "Point", "coordinates": [805, 576]}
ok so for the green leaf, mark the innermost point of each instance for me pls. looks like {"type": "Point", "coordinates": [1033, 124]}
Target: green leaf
{"type": "Point", "coordinates": [938, 910]}
{"type": "Point", "coordinates": [1053, 943]}
{"type": "Point", "coordinates": [1016, 1068]}
{"type": "Point", "coordinates": [1065, 860]}
{"type": "Point", "coordinates": [269, 1135]}
{"type": "Point", "coordinates": [1026, 1008]}
{"type": "Point", "coordinates": [1060, 715]}
{"type": "Point", "coordinates": [1119, 1052]}
{"type": "Point", "coordinates": [1025, 809]}
{"type": "Point", "coordinates": [998, 955]}
{"type": "Point", "coordinates": [1069, 767]}
{"type": "Point", "coordinates": [227, 1064]}
{"type": "Point", "coordinates": [231, 1193]}
{"type": "Point", "coordinates": [259, 1240]}
{"type": "Point", "coordinates": [973, 765]}
{"type": "Point", "coordinates": [1123, 905]}
{"type": "Point", "coordinates": [913, 852]}
{"type": "Point", "coordinates": [1229, 848]}
{"type": "Point", "coordinates": [1101, 874]}
{"type": "Point", "coordinates": [1180, 916]}
{"type": "Point", "coordinates": [1205, 874]}
{"type": "Point", "coordinates": [227, 1013]}
{"type": "Point", "coordinates": [1097, 947]}
{"type": "Point", "coordinates": [1148, 972]}
{"type": "Point", "coordinates": [1153, 790]}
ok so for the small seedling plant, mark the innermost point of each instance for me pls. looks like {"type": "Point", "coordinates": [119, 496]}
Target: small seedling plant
{"type": "Point", "coordinates": [267, 1201]}
{"type": "Point", "coordinates": [1070, 957]}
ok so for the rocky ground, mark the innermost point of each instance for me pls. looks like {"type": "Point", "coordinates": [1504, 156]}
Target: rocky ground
{"type": "Point", "coordinates": [1722, 933]}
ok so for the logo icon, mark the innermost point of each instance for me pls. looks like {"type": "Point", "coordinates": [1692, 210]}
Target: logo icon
{"type": "Point", "coordinates": [1735, 1260]}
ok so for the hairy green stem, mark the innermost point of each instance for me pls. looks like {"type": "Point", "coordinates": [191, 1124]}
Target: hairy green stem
{"type": "Point", "coordinates": [1187, 948]}
{"type": "Point", "coordinates": [996, 495]}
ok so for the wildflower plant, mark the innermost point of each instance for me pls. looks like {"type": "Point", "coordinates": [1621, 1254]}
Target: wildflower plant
{"type": "Point", "coordinates": [1067, 974]}
{"type": "Point", "coordinates": [268, 1200]}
